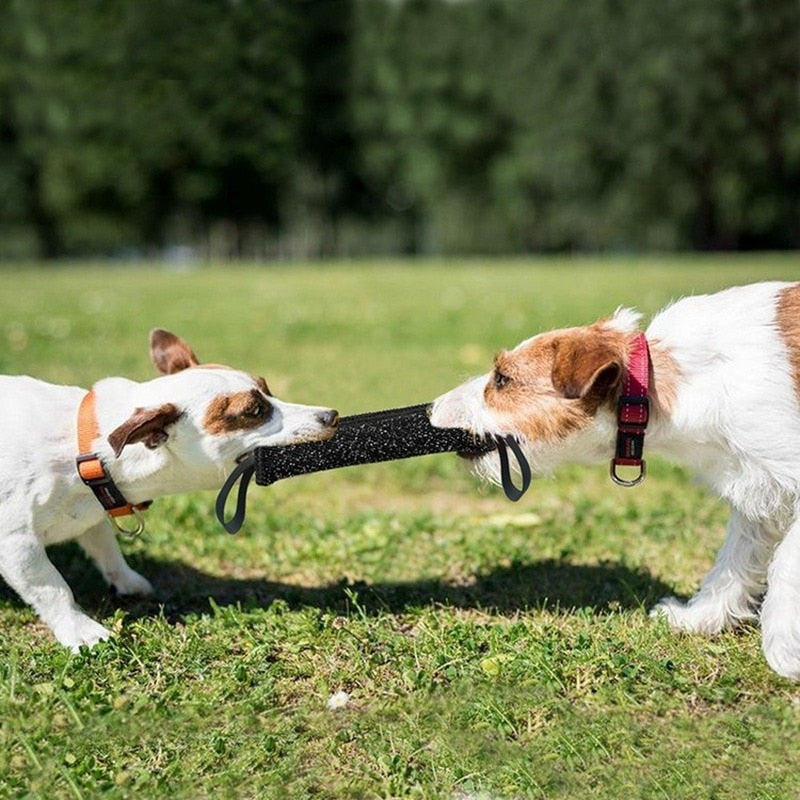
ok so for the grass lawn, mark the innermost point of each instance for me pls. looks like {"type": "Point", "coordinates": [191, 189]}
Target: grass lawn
{"type": "Point", "coordinates": [488, 650]}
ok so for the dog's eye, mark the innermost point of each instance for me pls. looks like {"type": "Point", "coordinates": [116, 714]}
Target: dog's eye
{"type": "Point", "coordinates": [257, 410]}
{"type": "Point", "coordinates": [500, 379]}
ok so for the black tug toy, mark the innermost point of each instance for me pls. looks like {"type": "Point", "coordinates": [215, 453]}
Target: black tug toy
{"type": "Point", "coordinates": [367, 439]}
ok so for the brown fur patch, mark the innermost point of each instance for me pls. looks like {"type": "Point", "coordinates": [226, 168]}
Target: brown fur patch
{"type": "Point", "coordinates": [588, 363]}
{"type": "Point", "coordinates": [237, 412]}
{"type": "Point", "coordinates": [555, 383]}
{"type": "Point", "coordinates": [148, 425]}
{"type": "Point", "coordinates": [262, 384]}
{"type": "Point", "coordinates": [789, 327]}
{"type": "Point", "coordinates": [170, 353]}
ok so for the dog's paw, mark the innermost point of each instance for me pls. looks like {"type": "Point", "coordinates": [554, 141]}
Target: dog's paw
{"type": "Point", "coordinates": [699, 615]}
{"type": "Point", "coordinates": [780, 637]}
{"type": "Point", "coordinates": [783, 656]}
{"type": "Point", "coordinates": [131, 582]}
{"type": "Point", "coordinates": [80, 631]}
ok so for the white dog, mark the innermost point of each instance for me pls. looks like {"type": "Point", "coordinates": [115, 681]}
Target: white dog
{"type": "Point", "coordinates": [136, 441]}
{"type": "Point", "coordinates": [722, 377]}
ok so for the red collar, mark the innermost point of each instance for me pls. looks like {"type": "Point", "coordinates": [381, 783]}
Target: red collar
{"type": "Point", "coordinates": [633, 413]}
{"type": "Point", "coordinates": [94, 475]}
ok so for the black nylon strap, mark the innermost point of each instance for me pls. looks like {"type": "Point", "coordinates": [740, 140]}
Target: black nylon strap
{"type": "Point", "coordinates": [244, 470]}
{"type": "Point", "coordinates": [512, 492]}
{"type": "Point", "coordinates": [105, 490]}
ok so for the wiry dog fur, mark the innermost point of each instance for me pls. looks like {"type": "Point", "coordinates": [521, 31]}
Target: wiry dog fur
{"type": "Point", "coordinates": [179, 432]}
{"type": "Point", "coordinates": [725, 383]}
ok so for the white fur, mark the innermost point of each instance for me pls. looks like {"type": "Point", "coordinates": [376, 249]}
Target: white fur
{"type": "Point", "coordinates": [736, 422]}
{"type": "Point", "coordinates": [43, 500]}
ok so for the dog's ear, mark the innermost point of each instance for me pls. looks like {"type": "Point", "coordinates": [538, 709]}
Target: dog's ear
{"type": "Point", "coordinates": [586, 367]}
{"type": "Point", "coordinates": [148, 425]}
{"type": "Point", "coordinates": [170, 353]}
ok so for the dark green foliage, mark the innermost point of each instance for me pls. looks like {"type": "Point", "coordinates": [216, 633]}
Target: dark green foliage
{"type": "Point", "coordinates": [122, 116]}
{"type": "Point", "coordinates": [349, 126]}
{"type": "Point", "coordinates": [594, 125]}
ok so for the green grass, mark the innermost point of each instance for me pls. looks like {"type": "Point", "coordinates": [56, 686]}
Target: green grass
{"type": "Point", "coordinates": [489, 650]}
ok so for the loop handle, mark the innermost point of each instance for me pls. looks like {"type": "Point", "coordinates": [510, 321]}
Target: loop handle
{"type": "Point", "coordinates": [512, 492]}
{"type": "Point", "coordinates": [244, 469]}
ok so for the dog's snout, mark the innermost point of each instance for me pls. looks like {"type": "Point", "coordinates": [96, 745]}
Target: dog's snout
{"type": "Point", "coordinates": [329, 418]}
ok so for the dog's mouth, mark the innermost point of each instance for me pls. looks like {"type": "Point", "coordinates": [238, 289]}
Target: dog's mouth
{"type": "Point", "coordinates": [483, 446]}
{"type": "Point", "coordinates": [500, 469]}
{"type": "Point", "coordinates": [302, 437]}
{"type": "Point", "coordinates": [244, 456]}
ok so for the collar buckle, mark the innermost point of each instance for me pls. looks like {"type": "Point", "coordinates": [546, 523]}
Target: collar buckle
{"type": "Point", "coordinates": [94, 475]}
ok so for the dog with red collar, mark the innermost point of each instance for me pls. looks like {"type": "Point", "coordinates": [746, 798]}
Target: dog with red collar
{"type": "Point", "coordinates": [713, 383]}
{"type": "Point", "coordinates": [72, 460]}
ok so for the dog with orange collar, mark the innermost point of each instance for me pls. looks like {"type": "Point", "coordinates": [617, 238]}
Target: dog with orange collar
{"type": "Point", "coordinates": [70, 460]}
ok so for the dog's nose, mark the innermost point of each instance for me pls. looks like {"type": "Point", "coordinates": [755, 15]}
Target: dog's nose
{"type": "Point", "coordinates": [329, 418]}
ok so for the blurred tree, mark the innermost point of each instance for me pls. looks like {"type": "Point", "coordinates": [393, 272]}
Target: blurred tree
{"type": "Point", "coordinates": [329, 151]}
{"type": "Point", "coordinates": [125, 114]}
{"type": "Point", "coordinates": [426, 98]}
{"type": "Point", "coordinates": [712, 113]}
{"type": "Point", "coordinates": [585, 126]}
{"type": "Point", "coordinates": [246, 101]}
{"type": "Point", "coordinates": [29, 111]}
{"type": "Point", "coordinates": [472, 126]}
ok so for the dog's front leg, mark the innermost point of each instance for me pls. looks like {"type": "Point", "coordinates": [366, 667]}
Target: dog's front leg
{"type": "Point", "coordinates": [101, 545]}
{"type": "Point", "coordinates": [27, 569]}
{"type": "Point", "coordinates": [780, 612]}
{"type": "Point", "coordinates": [730, 591]}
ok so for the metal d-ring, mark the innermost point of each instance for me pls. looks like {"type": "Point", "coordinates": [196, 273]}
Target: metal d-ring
{"type": "Point", "coordinates": [642, 466]}
{"type": "Point", "coordinates": [127, 532]}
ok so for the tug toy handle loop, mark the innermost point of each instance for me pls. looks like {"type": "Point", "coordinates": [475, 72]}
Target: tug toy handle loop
{"type": "Point", "coordinates": [244, 470]}
{"type": "Point", "coordinates": [512, 492]}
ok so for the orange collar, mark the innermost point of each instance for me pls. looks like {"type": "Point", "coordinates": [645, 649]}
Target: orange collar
{"type": "Point", "coordinates": [93, 473]}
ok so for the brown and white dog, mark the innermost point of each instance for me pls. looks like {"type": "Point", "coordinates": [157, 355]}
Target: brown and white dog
{"type": "Point", "coordinates": [180, 432]}
{"type": "Point", "coordinates": [724, 379]}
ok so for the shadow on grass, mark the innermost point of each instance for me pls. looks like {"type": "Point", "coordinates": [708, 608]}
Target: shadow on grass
{"type": "Point", "coordinates": [549, 585]}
